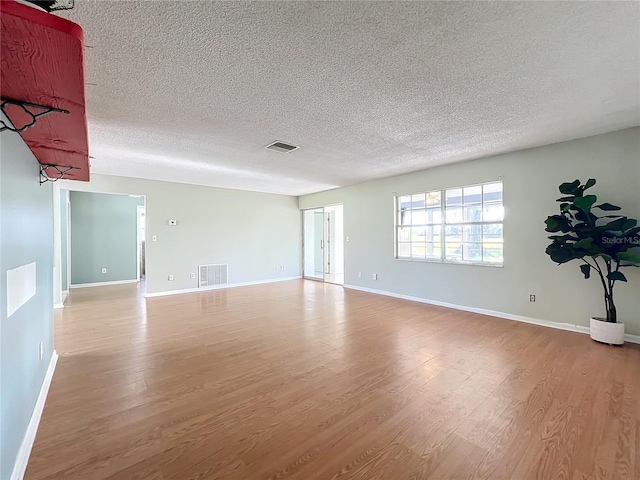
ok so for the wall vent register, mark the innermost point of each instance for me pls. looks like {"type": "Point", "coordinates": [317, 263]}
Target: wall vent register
{"type": "Point", "coordinates": [215, 274]}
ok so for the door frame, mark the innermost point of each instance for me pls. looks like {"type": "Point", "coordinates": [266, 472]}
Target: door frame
{"type": "Point", "coordinates": [326, 241]}
{"type": "Point", "coordinates": [304, 244]}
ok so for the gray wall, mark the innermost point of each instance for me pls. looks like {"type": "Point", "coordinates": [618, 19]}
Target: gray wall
{"type": "Point", "coordinates": [531, 178]}
{"type": "Point", "coordinates": [64, 198]}
{"type": "Point", "coordinates": [252, 232]}
{"type": "Point", "coordinates": [26, 226]}
{"type": "Point", "coordinates": [103, 235]}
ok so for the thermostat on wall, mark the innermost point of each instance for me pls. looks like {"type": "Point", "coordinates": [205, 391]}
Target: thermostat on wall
{"type": "Point", "coordinates": [172, 222]}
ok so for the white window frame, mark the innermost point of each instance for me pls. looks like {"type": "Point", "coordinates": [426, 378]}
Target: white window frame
{"type": "Point", "coordinates": [443, 224]}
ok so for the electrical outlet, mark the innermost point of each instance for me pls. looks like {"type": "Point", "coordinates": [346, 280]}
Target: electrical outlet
{"type": "Point", "coordinates": [154, 238]}
{"type": "Point", "coordinates": [375, 276]}
{"type": "Point", "coordinates": [104, 270]}
{"type": "Point", "coordinates": [532, 298]}
{"type": "Point", "coordinates": [193, 275]}
{"type": "Point", "coordinates": [347, 238]}
{"type": "Point", "coordinates": [359, 274]}
{"type": "Point", "coordinates": [40, 351]}
{"type": "Point", "coordinates": [170, 277]}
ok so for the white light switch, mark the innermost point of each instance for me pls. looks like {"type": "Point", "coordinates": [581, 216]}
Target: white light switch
{"type": "Point", "coordinates": [154, 238]}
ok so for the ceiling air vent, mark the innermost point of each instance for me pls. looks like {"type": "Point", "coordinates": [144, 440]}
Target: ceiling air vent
{"type": "Point", "coordinates": [281, 147]}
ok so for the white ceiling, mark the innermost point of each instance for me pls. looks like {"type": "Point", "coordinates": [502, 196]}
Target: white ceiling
{"type": "Point", "coordinates": [192, 91]}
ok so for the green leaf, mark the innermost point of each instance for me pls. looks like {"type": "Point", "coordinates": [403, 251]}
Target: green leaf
{"type": "Point", "coordinates": [557, 223]}
{"type": "Point", "coordinates": [565, 199]}
{"type": "Point", "coordinates": [630, 257]}
{"type": "Point", "coordinates": [586, 270]}
{"type": "Point", "coordinates": [561, 237]}
{"type": "Point", "coordinates": [569, 188]}
{"type": "Point", "coordinates": [562, 253]}
{"type": "Point", "coordinates": [585, 203]}
{"type": "Point", "coordinates": [590, 183]}
{"type": "Point", "coordinates": [607, 207]}
{"type": "Point", "coordinates": [617, 276]}
{"type": "Point", "coordinates": [616, 225]}
{"type": "Point", "coordinates": [629, 224]}
{"type": "Point", "coordinates": [585, 243]}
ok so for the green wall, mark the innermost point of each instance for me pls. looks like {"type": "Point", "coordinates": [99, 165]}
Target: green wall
{"type": "Point", "coordinates": [26, 236]}
{"type": "Point", "coordinates": [103, 235]}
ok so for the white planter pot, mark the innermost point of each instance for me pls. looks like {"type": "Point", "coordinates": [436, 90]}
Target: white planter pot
{"type": "Point", "coordinates": [606, 332]}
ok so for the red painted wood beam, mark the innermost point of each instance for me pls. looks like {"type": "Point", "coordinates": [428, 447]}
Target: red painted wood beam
{"type": "Point", "coordinates": [42, 62]}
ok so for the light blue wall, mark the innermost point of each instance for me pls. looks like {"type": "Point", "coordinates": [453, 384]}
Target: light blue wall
{"type": "Point", "coordinates": [103, 235]}
{"type": "Point", "coordinates": [64, 198]}
{"type": "Point", "coordinates": [26, 235]}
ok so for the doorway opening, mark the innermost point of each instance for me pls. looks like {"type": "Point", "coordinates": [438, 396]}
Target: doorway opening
{"type": "Point", "coordinates": [323, 244]}
{"type": "Point", "coordinates": [141, 241]}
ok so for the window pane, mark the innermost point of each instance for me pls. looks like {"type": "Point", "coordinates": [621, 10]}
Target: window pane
{"type": "Point", "coordinates": [404, 203]}
{"type": "Point", "coordinates": [418, 250]}
{"type": "Point", "coordinates": [417, 201]}
{"type": "Point", "coordinates": [454, 215]}
{"type": "Point", "coordinates": [492, 233]}
{"type": "Point", "coordinates": [454, 196]}
{"type": "Point", "coordinates": [404, 234]}
{"type": "Point", "coordinates": [433, 234]}
{"type": "Point", "coordinates": [492, 192]}
{"type": "Point", "coordinates": [472, 252]}
{"type": "Point", "coordinates": [418, 217]}
{"type": "Point", "coordinates": [404, 250]}
{"type": "Point", "coordinates": [404, 217]}
{"type": "Point", "coordinates": [493, 212]}
{"type": "Point", "coordinates": [472, 233]}
{"type": "Point", "coordinates": [433, 250]}
{"type": "Point", "coordinates": [492, 253]}
{"type": "Point", "coordinates": [453, 233]}
{"type": "Point", "coordinates": [472, 194]}
{"type": "Point", "coordinates": [473, 213]}
{"type": "Point", "coordinates": [434, 215]}
{"type": "Point", "coordinates": [453, 251]}
{"type": "Point", "coordinates": [433, 199]}
{"type": "Point", "coordinates": [418, 234]}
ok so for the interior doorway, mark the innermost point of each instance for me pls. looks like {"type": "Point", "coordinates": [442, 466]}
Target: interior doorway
{"type": "Point", "coordinates": [323, 244]}
{"type": "Point", "coordinates": [141, 241]}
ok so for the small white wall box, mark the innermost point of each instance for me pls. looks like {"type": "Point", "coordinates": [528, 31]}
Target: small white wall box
{"type": "Point", "coordinates": [173, 223]}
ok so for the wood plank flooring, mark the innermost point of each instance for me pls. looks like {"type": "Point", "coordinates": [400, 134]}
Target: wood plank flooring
{"type": "Point", "coordinates": [301, 380]}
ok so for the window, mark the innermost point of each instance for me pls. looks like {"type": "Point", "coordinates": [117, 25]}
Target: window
{"type": "Point", "coordinates": [458, 225]}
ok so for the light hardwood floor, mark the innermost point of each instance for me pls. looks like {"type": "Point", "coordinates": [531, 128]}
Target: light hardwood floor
{"type": "Point", "coordinates": [301, 380]}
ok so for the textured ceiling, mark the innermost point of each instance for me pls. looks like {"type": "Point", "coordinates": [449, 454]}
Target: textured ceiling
{"type": "Point", "coordinates": [192, 91]}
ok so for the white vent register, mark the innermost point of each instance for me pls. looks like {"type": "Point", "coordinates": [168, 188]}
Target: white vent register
{"type": "Point", "coordinates": [216, 274]}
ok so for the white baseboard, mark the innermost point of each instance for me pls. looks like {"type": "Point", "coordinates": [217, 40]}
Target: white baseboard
{"type": "Point", "coordinates": [20, 467]}
{"type": "Point", "coordinates": [102, 284]}
{"type": "Point", "coordinates": [518, 318]}
{"type": "Point", "coordinates": [218, 287]}
{"type": "Point", "coordinates": [58, 305]}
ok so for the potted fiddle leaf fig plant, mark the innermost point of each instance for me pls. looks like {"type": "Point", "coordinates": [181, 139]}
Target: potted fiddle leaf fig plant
{"type": "Point", "coordinates": [602, 241]}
